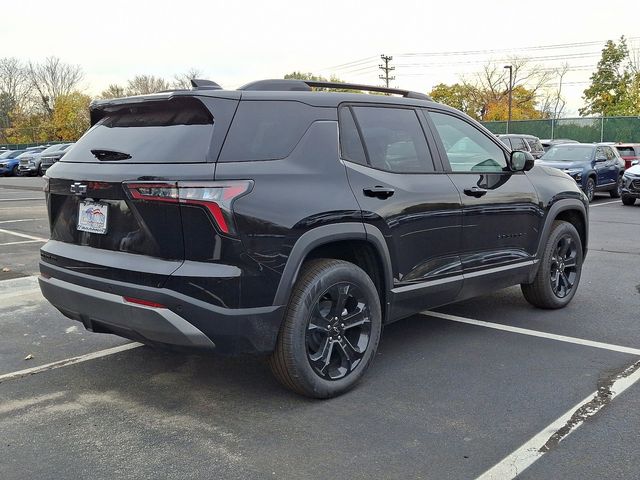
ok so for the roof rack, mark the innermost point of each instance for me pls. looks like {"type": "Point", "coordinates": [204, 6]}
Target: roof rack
{"type": "Point", "coordinates": [200, 84]}
{"type": "Point", "coordinates": [306, 85]}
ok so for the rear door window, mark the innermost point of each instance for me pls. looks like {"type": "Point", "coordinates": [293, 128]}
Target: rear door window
{"type": "Point", "coordinates": [167, 131]}
{"type": "Point", "coordinates": [394, 139]}
{"type": "Point", "coordinates": [535, 145]}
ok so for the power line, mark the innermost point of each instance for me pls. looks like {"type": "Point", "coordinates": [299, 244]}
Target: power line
{"type": "Point", "coordinates": [506, 50]}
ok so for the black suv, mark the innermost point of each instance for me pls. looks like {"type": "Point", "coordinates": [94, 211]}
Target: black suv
{"type": "Point", "coordinates": [286, 221]}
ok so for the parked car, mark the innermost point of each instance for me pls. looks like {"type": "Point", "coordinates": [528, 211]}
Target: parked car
{"type": "Point", "coordinates": [595, 167]}
{"type": "Point", "coordinates": [629, 152]}
{"type": "Point", "coordinates": [298, 225]}
{"type": "Point", "coordinates": [9, 162]}
{"type": "Point", "coordinates": [526, 143]}
{"type": "Point", "coordinates": [631, 183]}
{"type": "Point", "coordinates": [548, 143]}
{"type": "Point", "coordinates": [49, 158]}
{"type": "Point", "coordinates": [29, 161]}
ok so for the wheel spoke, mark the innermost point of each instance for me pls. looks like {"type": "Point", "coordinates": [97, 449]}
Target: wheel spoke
{"type": "Point", "coordinates": [339, 295]}
{"type": "Point", "coordinates": [570, 262]}
{"type": "Point", "coordinates": [355, 319]}
{"type": "Point", "coordinates": [566, 244]}
{"type": "Point", "coordinates": [565, 280]}
{"type": "Point", "coordinates": [322, 357]}
{"type": "Point", "coordinates": [349, 354]}
{"type": "Point", "coordinates": [317, 321]}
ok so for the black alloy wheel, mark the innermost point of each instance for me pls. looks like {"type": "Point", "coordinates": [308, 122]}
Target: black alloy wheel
{"type": "Point", "coordinates": [558, 273]}
{"type": "Point", "coordinates": [338, 331]}
{"type": "Point", "coordinates": [563, 271]}
{"type": "Point", "coordinates": [331, 329]}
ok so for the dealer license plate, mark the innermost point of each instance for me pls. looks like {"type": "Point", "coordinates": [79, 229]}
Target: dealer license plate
{"type": "Point", "coordinates": [92, 217]}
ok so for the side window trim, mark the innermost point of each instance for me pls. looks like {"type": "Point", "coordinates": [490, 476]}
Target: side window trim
{"type": "Point", "coordinates": [444, 158]}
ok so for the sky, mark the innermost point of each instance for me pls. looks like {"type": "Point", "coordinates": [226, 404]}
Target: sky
{"type": "Point", "coordinates": [237, 42]}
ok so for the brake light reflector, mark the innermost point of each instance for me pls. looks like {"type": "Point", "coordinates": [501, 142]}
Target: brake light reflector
{"type": "Point", "coordinates": [145, 303]}
{"type": "Point", "coordinates": [215, 197]}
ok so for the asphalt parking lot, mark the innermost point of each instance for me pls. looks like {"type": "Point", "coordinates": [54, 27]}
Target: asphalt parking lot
{"type": "Point", "coordinates": [483, 388]}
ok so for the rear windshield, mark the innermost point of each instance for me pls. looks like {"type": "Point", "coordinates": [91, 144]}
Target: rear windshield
{"type": "Point", "coordinates": [569, 154]}
{"type": "Point", "coordinates": [170, 131]}
{"type": "Point", "coordinates": [626, 151]}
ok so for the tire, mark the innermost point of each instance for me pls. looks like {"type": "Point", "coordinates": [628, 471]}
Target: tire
{"type": "Point", "coordinates": [546, 290]}
{"type": "Point", "coordinates": [14, 171]}
{"type": "Point", "coordinates": [39, 172]}
{"type": "Point", "coordinates": [590, 189]}
{"type": "Point", "coordinates": [313, 349]}
{"type": "Point", "coordinates": [628, 200]}
{"type": "Point", "coordinates": [617, 191]}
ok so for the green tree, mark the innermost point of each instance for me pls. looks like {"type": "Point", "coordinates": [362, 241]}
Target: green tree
{"type": "Point", "coordinates": [460, 96]}
{"type": "Point", "coordinates": [608, 94]}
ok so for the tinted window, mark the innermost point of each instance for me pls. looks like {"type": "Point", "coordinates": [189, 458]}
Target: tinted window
{"type": "Point", "coordinates": [468, 149]}
{"type": "Point", "coordinates": [173, 131]}
{"type": "Point", "coordinates": [11, 154]}
{"type": "Point", "coordinates": [506, 141]}
{"type": "Point", "coordinates": [268, 130]}
{"type": "Point", "coordinates": [350, 144]}
{"type": "Point", "coordinates": [394, 139]}
{"type": "Point", "coordinates": [608, 151]}
{"type": "Point", "coordinates": [517, 143]}
{"type": "Point", "coordinates": [535, 145]}
{"type": "Point", "coordinates": [626, 151]}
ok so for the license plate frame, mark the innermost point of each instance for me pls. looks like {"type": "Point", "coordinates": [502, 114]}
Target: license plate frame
{"type": "Point", "coordinates": [93, 217]}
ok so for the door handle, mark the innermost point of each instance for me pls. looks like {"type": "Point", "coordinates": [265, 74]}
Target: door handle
{"type": "Point", "coordinates": [475, 192]}
{"type": "Point", "coordinates": [378, 191]}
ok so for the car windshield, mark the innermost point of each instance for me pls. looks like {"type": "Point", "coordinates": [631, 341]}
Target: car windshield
{"type": "Point", "coordinates": [6, 154]}
{"type": "Point", "coordinates": [569, 154]}
{"type": "Point", "coordinates": [54, 148]}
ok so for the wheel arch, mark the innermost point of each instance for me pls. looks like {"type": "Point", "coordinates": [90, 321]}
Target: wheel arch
{"type": "Point", "coordinates": [354, 242]}
{"type": "Point", "coordinates": [568, 210]}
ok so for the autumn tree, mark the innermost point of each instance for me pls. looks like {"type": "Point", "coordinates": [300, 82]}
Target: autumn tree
{"type": "Point", "coordinates": [460, 96]}
{"type": "Point", "coordinates": [70, 116]}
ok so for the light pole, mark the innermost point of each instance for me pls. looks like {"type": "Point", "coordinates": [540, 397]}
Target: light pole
{"type": "Point", "coordinates": [510, 68]}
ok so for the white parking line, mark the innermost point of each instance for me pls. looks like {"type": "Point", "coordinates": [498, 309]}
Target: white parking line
{"type": "Point", "coordinates": [68, 361]}
{"type": "Point", "coordinates": [20, 199]}
{"type": "Point", "coordinates": [605, 203]}
{"type": "Point", "coordinates": [21, 220]}
{"type": "Point", "coordinates": [535, 333]}
{"type": "Point", "coordinates": [23, 235]}
{"type": "Point", "coordinates": [21, 242]}
{"type": "Point", "coordinates": [515, 463]}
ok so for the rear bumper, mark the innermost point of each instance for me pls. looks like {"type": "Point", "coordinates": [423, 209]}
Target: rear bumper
{"type": "Point", "coordinates": [184, 322]}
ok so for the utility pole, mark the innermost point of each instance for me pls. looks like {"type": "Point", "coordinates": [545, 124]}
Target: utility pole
{"type": "Point", "coordinates": [510, 68]}
{"type": "Point", "coordinates": [386, 69]}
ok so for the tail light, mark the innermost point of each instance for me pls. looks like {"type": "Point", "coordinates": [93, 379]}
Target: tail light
{"type": "Point", "coordinates": [215, 197]}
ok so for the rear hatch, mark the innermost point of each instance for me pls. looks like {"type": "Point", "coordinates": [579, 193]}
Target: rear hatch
{"type": "Point", "coordinates": [102, 222]}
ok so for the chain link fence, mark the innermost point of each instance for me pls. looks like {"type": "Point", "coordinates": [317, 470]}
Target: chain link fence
{"type": "Point", "coordinates": [587, 130]}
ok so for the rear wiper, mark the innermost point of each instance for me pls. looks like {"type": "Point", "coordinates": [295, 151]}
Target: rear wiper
{"type": "Point", "coordinates": [110, 155]}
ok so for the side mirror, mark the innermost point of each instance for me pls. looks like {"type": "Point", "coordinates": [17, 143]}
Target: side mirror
{"type": "Point", "coordinates": [635, 162]}
{"type": "Point", "coordinates": [520, 161]}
